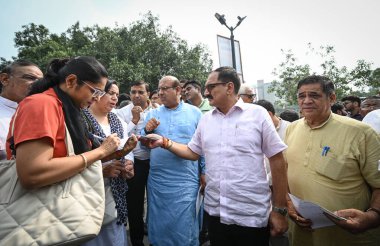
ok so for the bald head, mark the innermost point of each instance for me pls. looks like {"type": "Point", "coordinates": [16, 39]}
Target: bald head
{"type": "Point", "coordinates": [171, 79]}
{"type": "Point", "coordinates": [169, 91]}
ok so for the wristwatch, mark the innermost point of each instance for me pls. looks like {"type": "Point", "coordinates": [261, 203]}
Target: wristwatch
{"type": "Point", "coordinates": [282, 211]}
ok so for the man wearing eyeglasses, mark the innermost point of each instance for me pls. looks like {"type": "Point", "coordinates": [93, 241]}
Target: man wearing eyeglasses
{"type": "Point", "coordinates": [173, 182]}
{"type": "Point", "coordinates": [16, 80]}
{"type": "Point", "coordinates": [246, 94]}
{"type": "Point", "coordinates": [233, 138]}
{"type": "Point", "coordinates": [352, 105]}
{"type": "Point", "coordinates": [134, 115]}
{"type": "Point", "coordinates": [333, 161]}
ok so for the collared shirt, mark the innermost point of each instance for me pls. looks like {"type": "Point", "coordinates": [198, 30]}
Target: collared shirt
{"type": "Point", "coordinates": [125, 114]}
{"type": "Point", "coordinates": [281, 130]}
{"type": "Point", "coordinates": [7, 110]}
{"type": "Point", "coordinates": [233, 144]}
{"type": "Point", "coordinates": [205, 106]}
{"type": "Point", "coordinates": [335, 179]}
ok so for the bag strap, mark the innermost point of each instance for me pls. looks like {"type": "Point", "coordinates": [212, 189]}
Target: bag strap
{"type": "Point", "coordinates": [69, 143]}
{"type": "Point", "coordinates": [12, 140]}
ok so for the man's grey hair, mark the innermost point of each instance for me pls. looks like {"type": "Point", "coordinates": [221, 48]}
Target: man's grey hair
{"type": "Point", "coordinates": [244, 89]}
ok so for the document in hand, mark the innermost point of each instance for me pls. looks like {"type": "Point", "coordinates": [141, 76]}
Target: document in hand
{"type": "Point", "coordinates": [199, 201]}
{"type": "Point", "coordinates": [314, 212]}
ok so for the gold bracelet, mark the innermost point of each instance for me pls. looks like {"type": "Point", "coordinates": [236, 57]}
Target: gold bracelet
{"type": "Point", "coordinates": [84, 162]}
{"type": "Point", "coordinates": [170, 145]}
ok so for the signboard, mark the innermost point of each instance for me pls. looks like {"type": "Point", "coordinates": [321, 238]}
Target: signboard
{"type": "Point", "coordinates": [225, 54]}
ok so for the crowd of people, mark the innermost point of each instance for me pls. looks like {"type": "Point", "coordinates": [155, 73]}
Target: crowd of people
{"type": "Point", "coordinates": [215, 164]}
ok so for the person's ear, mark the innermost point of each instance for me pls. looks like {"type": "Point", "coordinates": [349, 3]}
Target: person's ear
{"type": "Point", "coordinates": [4, 79]}
{"type": "Point", "coordinates": [71, 81]}
{"type": "Point", "coordinates": [332, 98]}
{"type": "Point", "coordinates": [230, 88]}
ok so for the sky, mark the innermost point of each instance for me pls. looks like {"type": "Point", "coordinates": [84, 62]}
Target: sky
{"type": "Point", "coordinates": [352, 27]}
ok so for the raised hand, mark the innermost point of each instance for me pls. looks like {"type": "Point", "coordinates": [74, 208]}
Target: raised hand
{"type": "Point", "coordinates": [136, 110]}
{"type": "Point", "coordinates": [152, 124]}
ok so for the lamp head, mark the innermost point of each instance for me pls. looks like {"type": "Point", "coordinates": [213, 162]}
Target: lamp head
{"type": "Point", "coordinates": [240, 20]}
{"type": "Point", "coordinates": [220, 18]}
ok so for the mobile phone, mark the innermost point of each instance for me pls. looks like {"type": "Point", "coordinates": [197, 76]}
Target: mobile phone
{"type": "Point", "coordinates": [148, 138]}
{"type": "Point", "coordinates": [333, 215]}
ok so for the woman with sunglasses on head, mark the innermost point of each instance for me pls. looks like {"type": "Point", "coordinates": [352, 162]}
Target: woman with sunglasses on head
{"type": "Point", "coordinates": [39, 130]}
{"type": "Point", "coordinates": [101, 123]}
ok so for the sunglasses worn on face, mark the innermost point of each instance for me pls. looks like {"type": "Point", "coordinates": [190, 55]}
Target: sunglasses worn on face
{"type": "Point", "coordinates": [95, 92]}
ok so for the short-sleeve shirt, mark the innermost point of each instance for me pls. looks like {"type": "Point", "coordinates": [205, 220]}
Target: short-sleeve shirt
{"type": "Point", "coordinates": [40, 116]}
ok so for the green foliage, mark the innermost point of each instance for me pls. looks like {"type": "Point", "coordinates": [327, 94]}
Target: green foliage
{"type": "Point", "coordinates": [141, 51]}
{"type": "Point", "coordinates": [346, 81]}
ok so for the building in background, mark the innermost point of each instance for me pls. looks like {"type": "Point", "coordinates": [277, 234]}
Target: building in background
{"type": "Point", "coordinates": [262, 93]}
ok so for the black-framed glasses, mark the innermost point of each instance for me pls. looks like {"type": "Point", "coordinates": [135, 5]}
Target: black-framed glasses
{"type": "Point", "coordinates": [250, 96]}
{"type": "Point", "coordinates": [165, 88]}
{"type": "Point", "coordinates": [210, 87]}
{"type": "Point", "coordinates": [95, 91]}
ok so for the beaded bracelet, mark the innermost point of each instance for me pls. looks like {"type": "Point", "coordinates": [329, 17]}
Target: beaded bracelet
{"type": "Point", "coordinates": [84, 161]}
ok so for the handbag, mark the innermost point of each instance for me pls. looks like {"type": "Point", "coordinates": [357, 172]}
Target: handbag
{"type": "Point", "coordinates": [66, 213]}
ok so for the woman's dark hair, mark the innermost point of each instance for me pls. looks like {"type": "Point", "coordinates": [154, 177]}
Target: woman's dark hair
{"type": "Point", "coordinates": [152, 93]}
{"type": "Point", "coordinates": [86, 68]}
{"type": "Point", "coordinates": [109, 84]}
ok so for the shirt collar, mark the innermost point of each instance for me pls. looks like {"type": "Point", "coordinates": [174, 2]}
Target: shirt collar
{"type": "Point", "coordinates": [8, 103]}
{"type": "Point", "coordinates": [238, 105]}
{"type": "Point", "coordinates": [321, 125]}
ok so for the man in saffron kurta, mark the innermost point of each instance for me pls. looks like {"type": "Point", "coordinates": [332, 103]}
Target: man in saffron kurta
{"type": "Point", "coordinates": [173, 182]}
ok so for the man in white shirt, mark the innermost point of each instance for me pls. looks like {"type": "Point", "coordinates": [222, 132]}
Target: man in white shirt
{"type": "Point", "coordinates": [233, 138]}
{"type": "Point", "coordinates": [16, 80]}
{"type": "Point", "coordinates": [134, 115]}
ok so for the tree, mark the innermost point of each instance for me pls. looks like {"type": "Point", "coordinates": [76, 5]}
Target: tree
{"type": "Point", "coordinates": [346, 81]}
{"type": "Point", "coordinates": [141, 51]}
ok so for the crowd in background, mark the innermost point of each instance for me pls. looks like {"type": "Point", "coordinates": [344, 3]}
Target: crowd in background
{"type": "Point", "coordinates": [214, 163]}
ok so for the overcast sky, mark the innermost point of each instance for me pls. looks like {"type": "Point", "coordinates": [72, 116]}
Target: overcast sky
{"type": "Point", "coordinates": [271, 25]}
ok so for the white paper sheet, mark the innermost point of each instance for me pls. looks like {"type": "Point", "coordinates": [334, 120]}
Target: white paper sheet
{"type": "Point", "coordinates": [314, 212]}
{"type": "Point", "coordinates": [199, 201]}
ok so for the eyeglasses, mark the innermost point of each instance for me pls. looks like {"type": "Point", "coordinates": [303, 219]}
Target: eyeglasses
{"type": "Point", "coordinates": [165, 88]}
{"type": "Point", "coordinates": [27, 77]}
{"type": "Point", "coordinates": [95, 92]}
{"type": "Point", "coordinates": [210, 87]}
{"type": "Point", "coordinates": [250, 96]}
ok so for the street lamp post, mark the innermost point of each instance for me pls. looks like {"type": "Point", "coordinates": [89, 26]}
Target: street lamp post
{"type": "Point", "coordinates": [222, 21]}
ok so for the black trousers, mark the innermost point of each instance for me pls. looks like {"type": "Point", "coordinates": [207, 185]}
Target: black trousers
{"type": "Point", "coordinates": [135, 201]}
{"type": "Point", "coordinates": [233, 235]}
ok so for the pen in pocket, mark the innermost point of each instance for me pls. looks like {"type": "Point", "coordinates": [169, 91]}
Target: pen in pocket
{"type": "Point", "coordinates": [325, 150]}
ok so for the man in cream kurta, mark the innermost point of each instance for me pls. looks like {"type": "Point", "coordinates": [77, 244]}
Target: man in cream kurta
{"type": "Point", "coordinates": [344, 176]}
